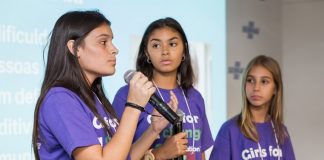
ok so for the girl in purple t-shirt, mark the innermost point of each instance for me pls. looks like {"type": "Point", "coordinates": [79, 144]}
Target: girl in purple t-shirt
{"type": "Point", "coordinates": [164, 58]}
{"type": "Point", "coordinates": [73, 118]}
{"type": "Point", "coordinates": [258, 132]}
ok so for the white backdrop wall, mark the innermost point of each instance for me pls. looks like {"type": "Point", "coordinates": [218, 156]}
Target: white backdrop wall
{"type": "Point", "coordinates": [266, 19]}
{"type": "Point", "coordinates": [291, 31]}
{"type": "Point", "coordinates": [303, 70]}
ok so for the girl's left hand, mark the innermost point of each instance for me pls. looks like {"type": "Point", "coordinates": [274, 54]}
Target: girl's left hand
{"type": "Point", "coordinates": [159, 122]}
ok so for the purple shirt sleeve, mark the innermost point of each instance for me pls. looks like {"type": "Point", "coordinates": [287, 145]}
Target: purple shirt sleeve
{"type": "Point", "coordinates": [287, 148]}
{"type": "Point", "coordinates": [64, 122]}
{"type": "Point", "coordinates": [221, 149]}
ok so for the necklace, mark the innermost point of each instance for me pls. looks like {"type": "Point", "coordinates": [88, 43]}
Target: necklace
{"type": "Point", "coordinates": [187, 104]}
{"type": "Point", "coordinates": [275, 134]}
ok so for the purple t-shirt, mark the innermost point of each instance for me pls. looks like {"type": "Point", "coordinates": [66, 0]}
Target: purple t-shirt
{"type": "Point", "coordinates": [65, 123]}
{"type": "Point", "coordinates": [231, 144]}
{"type": "Point", "coordinates": [195, 124]}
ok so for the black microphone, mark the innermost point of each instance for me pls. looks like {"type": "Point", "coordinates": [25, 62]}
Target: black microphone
{"type": "Point", "coordinates": [157, 102]}
{"type": "Point", "coordinates": [177, 128]}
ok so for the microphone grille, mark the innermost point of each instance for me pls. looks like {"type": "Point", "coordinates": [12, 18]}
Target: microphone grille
{"type": "Point", "coordinates": [128, 75]}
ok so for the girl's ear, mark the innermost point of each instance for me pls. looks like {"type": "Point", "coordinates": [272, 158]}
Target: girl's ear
{"type": "Point", "coordinates": [70, 45]}
{"type": "Point", "coordinates": [147, 55]}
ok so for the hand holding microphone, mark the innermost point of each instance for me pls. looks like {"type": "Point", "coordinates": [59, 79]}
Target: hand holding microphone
{"type": "Point", "coordinates": [140, 89]}
{"type": "Point", "coordinates": [131, 77]}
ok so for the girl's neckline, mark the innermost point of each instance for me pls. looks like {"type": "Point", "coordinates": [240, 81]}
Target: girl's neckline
{"type": "Point", "coordinates": [262, 124]}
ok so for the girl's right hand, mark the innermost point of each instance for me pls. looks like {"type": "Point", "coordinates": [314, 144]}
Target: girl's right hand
{"type": "Point", "coordinates": [173, 147]}
{"type": "Point", "coordinates": [140, 89]}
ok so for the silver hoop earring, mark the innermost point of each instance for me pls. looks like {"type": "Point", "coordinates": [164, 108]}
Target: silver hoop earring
{"type": "Point", "coordinates": [148, 60]}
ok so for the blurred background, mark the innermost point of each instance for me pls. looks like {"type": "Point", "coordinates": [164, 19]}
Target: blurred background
{"type": "Point", "coordinates": [224, 35]}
